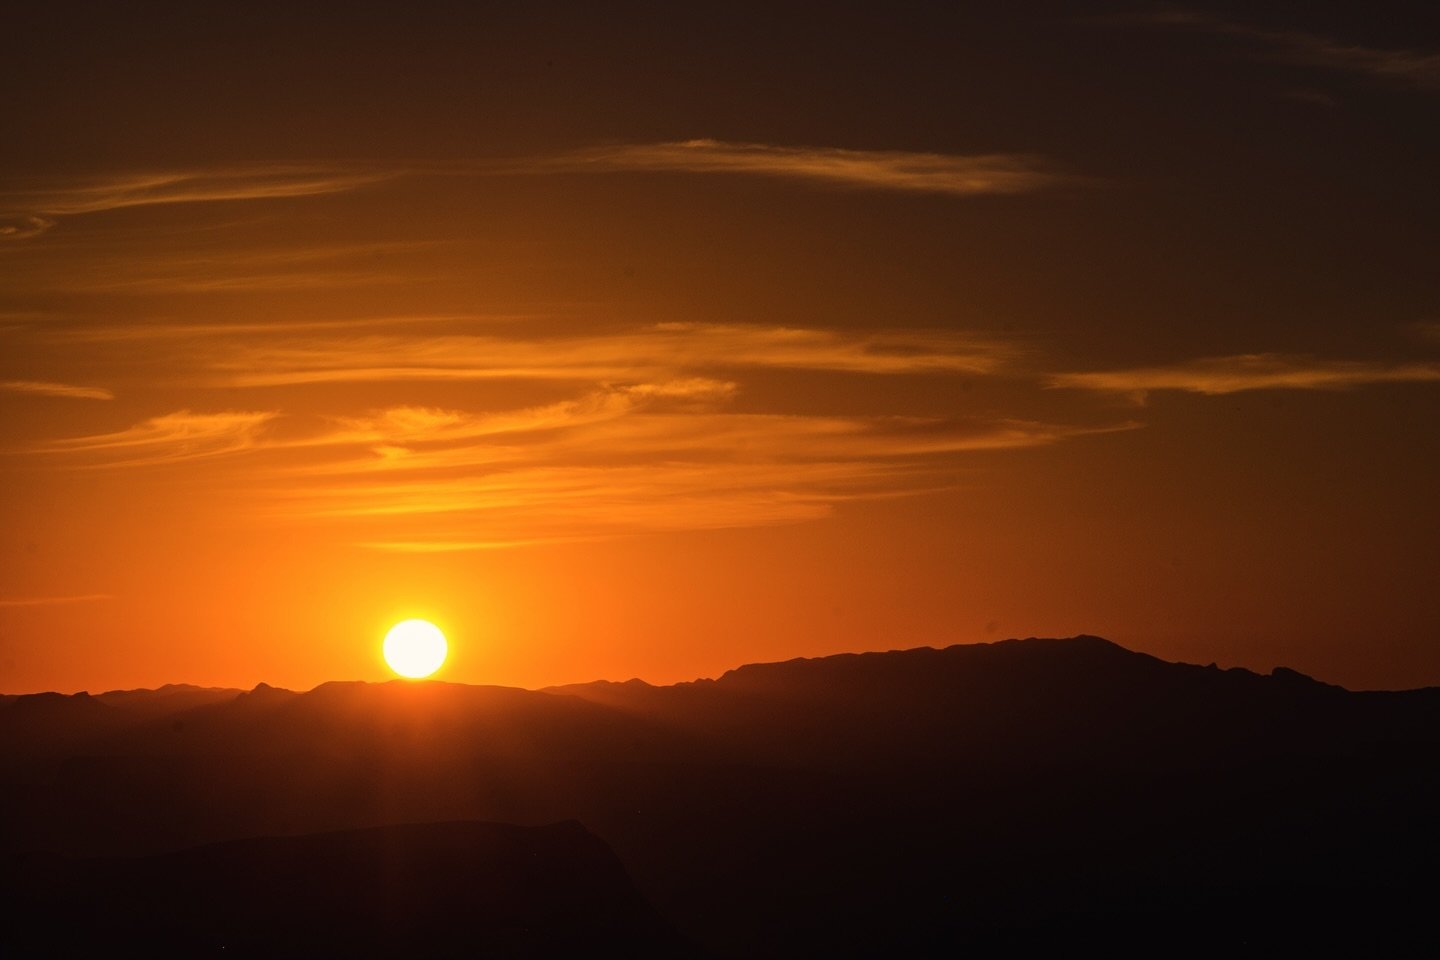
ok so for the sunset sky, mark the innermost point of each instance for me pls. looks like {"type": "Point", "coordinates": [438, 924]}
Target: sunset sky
{"type": "Point", "coordinates": [650, 340]}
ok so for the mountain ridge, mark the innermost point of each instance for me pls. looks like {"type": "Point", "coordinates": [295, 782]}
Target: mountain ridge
{"type": "Point", "coordinates": [955, 798]}
{"type": "Point", "coordinates": [1089, 643]}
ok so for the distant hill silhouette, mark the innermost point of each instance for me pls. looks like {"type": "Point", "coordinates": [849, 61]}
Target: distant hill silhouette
{"type": "Point", "coordinates": [444, 889]}
{"type": "Point", "coordinates": [1023, 793]}
{"type": "Point", "coordinates": [170, 698]}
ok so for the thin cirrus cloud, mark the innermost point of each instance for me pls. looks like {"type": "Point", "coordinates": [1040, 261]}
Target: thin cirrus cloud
{"type": "Point", "coordinates": [583, 500]}
{"type": "Point", "coordinates": [1411, 68]}
{"type": "Point", "coordinates": [390, 429]}
{"type": "Point", "coordinates": [1251, 371]}
{"type": "Point", "coordinates": [619, 424]}
{"type": "Point", "coordinates": [896, 170]}
{"type": "Point", "coordinates": [646, 353]}
{"type": "Point", "coordinates": [644, 458]}
{"type": "Point", "coordinates": [23, 226]}
{"type": "Point", "coordinates": [673, 474]}
{"type": "Point", "coordinates": [168, 438]}
{"type": "Point", "coordinates": [27, 209]}
{"type": "Point", "coordinates": [46, 389]}
{"type": "Point", "coordinates": [667, 439]}
{"type": "Point", "coordinates": [664, 455]}
{"type": "Point", "coordinates": [201, 330]}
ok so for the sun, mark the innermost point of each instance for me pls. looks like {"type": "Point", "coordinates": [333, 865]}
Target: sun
{"type": "Point", "coordinates": [415, 648]}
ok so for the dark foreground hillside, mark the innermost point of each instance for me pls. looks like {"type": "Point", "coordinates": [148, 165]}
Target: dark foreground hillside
{"type": "Point", "coordinates": [445, 889]}
{"type": "Point", "coordinates": [988, 797]}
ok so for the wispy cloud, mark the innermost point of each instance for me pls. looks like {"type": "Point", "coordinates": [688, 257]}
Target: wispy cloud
{"type": "Point", "coordinates": [1412, 68]}
{"type": "Point", "coordinates": [203, 330]}
{"type": "Point", "coordinates": [664, 456]}
{"type": "Point", "coordinates": [646, 354]}
{"type": "Point", "coordinates": [1251, 371]}
{"type": "Point", "coordinates": [44, 389]}
{"type": "Point", "coordinates": [387, 431]}
{"type": "Point", "coordinates": [461, 546]}
{"type": "Point", "coordinates": [23, 226]}
{"type": "Point", "coordinates": [610, 426]}
{"type": "Point", "coordinates": [544, 503]}
{"type": "Point", "coordinates": [693, 490]}
{"type": "Point", "coordinates": [167, 439]}
{"type": "Point", "coordinates": [32, 207]}
{"type": "Point", "coordinates": [944, 173]}
{"type": "Point", "coordinates": [52, 601]}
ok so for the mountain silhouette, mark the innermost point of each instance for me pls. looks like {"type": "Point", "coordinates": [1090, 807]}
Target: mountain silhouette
{"type": "Point", "coordinates": [1027, 793]}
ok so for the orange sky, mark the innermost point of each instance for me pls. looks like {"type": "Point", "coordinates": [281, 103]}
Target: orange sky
{"type": "Point", "coordinates": [652, 343]}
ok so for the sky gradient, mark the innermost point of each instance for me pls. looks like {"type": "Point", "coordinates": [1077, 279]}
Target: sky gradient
{"type": "Point", "coordinates": [650, 341]}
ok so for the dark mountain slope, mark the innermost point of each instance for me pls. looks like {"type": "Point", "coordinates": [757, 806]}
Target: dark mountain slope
{"type": "Point", "coordinates": [1084, 699]}
{"type": "Point", "coordinates": [1043, 788]}
{"type": "Point", "coordinates": [34, 724]}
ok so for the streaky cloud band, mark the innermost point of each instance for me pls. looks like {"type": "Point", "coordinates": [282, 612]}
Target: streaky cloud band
{"type": "Point", "coordinates": [895, 170]}
{"type": "Point", "coordinates": [1418, 70]}
{"type": "Point", "coordinates": [1248, 371]}
{"type": "Point", "coordinates": [46, 389]}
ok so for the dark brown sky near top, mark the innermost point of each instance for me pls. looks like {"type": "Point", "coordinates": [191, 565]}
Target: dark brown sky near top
{"type": "Point", "coordinates": [1234, 182]}
{"type": "Point", "coordinates": [1226, 182]}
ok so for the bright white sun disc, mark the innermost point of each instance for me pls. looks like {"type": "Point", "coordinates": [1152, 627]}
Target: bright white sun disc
{"type": "Point", "coordinates": [415, 648]}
